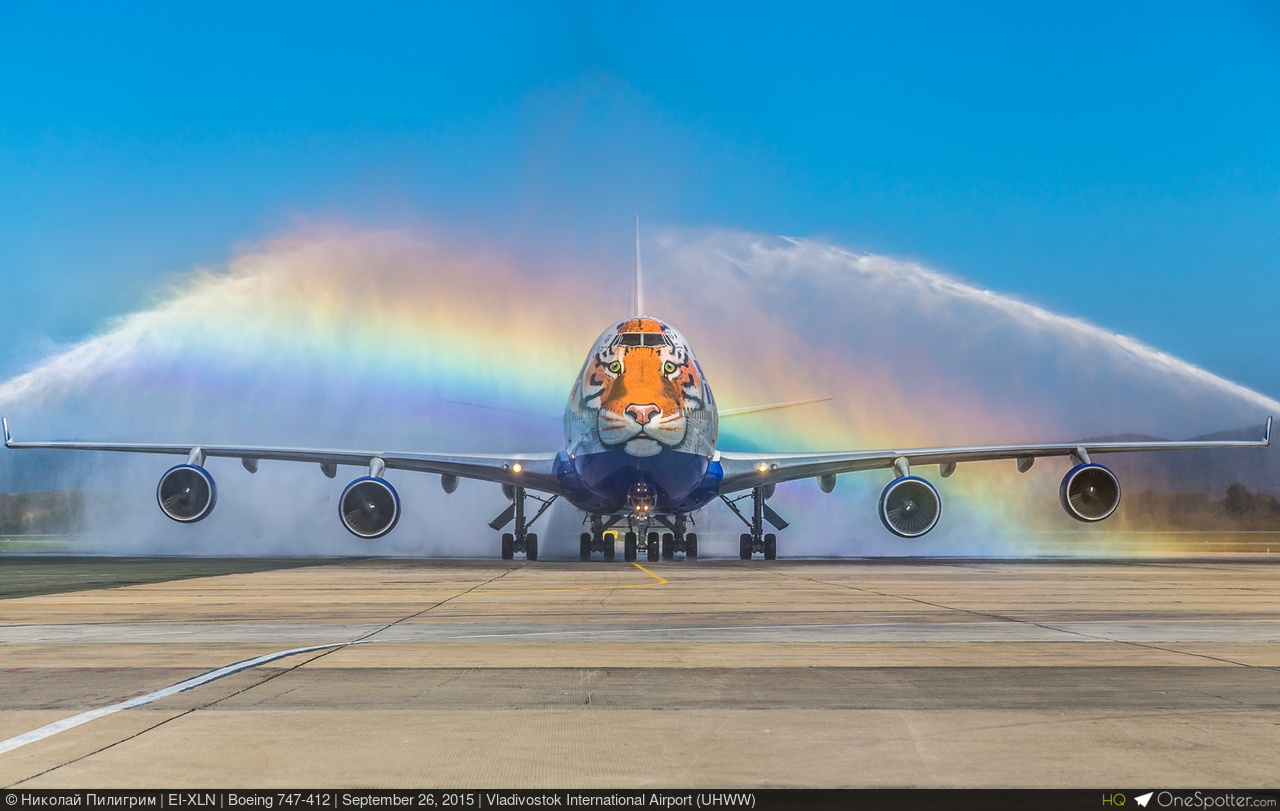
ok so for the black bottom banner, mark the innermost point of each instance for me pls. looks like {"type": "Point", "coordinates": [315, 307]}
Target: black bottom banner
{"type": "Point", "coordinates": [765, 799]}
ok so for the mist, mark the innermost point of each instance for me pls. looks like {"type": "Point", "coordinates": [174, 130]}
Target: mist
{"type": "Point", "coordinates": [407, 339]}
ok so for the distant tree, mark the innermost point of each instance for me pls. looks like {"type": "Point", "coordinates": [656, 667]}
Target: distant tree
{"type": "Point", "coordinates": [1238, 501]}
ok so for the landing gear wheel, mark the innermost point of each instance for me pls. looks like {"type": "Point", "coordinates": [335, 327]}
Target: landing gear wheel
{"type": "Point", "coordinates": [508, 546]}
{"type": "Point", "coordinates": [744, 546]}
{"type": "Point", "coordinates": [668, 546]}
{"type": "Point", "coordinates": [770, 547]}
{"type": "Point", "coordinates": [584, 546]}
{"type": "Point", "coordinates": [629, 547]}
{"type": "Point", "coordinates": [609, 540]}
{"type": "Point", "coordinates": [652, 547]}
{"type": "Point", "coordinates": [691, 546]}
{"type": "Point", "coordinates": [531, 547]}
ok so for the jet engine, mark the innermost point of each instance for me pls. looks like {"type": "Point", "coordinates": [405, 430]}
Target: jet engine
{"type": "Point", "coordinates": [1089, 492]}
{"type": "Point", "coordinates": [186, 493]}
{"type": "Point", "coordinates": [910, 507]}
{"type": "Point", "coordinates": [369, 507]}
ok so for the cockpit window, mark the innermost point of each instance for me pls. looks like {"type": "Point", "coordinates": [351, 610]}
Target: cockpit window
{"type": "Point", "coordinates": [642, 339]}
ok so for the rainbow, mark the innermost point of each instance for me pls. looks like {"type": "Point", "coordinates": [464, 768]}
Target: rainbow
{"type": "Point", "coordinates": [336, 336]}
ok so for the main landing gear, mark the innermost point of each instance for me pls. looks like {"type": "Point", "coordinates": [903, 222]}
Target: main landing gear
{"type": "Point", "coordinates": [757, 540]}
{"type": "Point", "coordinates": [638, 539]}
{"type": "Point", "coordinates": [677, 540]}
{"type": "Point", "coordinates": [599, 539]}
{"type": "Point", "coordinates": [521, 540]}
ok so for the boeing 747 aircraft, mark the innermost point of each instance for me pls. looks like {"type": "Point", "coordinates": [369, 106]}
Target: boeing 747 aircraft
{"type": "Point", "coordinates": [640, 455]}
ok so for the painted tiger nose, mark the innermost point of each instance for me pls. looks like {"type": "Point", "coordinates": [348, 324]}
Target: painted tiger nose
{"type": "Point", "coordinates": [643, 413]}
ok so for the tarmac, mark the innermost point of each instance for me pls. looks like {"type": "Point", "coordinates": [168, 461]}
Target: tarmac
{"type": "Point", "coordinates": [490, 674]}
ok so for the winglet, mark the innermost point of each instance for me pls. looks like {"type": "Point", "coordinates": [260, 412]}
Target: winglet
{"type": "Point", "coordinates": [637, 287]}
{"type": "Point", "coordinates": [1266, 432]}
{"type": "Point", "coordinates": [8, 438]}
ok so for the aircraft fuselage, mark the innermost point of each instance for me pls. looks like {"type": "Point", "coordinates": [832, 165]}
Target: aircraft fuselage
{"type": "Point", "coordinates": [640, 426]}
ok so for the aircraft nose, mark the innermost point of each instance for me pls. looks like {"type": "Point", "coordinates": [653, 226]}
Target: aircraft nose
{"type": "Point", "coordinates": [643, 413]}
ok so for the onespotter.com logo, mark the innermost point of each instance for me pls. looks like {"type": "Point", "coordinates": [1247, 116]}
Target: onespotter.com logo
{"type": "Point", "coordinates": [1196, 799]}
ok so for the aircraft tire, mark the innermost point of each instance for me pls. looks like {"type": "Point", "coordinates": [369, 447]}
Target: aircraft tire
{"type": "Point", "coordinates": [691, 546]}
{"type": "Point", "coordinates": [609, 541]}
{"type": "Point", "coordinates": [508, 546]}
{"type": "Point", "coordinates": [584, 546]}
{"type": "Point", "coordinates": [771, 547]}
{"type": "Point", "coordinates": [531, 547]}
{"type": "Point", "coordinates": [629, 547]}
{"type": "Point", "coordinates": [744, 546]}
{"type": "Point", "coordinates": [668, 546]}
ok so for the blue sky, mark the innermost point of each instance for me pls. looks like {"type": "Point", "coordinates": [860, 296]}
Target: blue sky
{"type": "Point", "coordinates": [1119, 162]}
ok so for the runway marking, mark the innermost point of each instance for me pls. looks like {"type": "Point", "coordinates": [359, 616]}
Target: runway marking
{"type": "Point", "coordinates": [329, 598]}
{"type": "Point", "coordinates": [74, 721]}
{"type": "Point", "coordinates": [660, 581]}
{"type": "Point", "coordinates": [49, 730]}
{"type": "Point", "coordinates": [83, 718]}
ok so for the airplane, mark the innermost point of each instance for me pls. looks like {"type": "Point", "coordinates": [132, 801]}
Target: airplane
{"type": "Point", "coordinates": [640, 454]}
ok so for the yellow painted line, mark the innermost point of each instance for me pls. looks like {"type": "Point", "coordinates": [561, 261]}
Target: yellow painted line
{"type": "Point", "coordinates": [661, 580]}
{"type": "Point", "coordinates": [343, 597]}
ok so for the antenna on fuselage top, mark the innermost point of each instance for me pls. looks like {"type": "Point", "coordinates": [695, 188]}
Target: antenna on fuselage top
{"type": "Point", "coordinates": [637, 287]}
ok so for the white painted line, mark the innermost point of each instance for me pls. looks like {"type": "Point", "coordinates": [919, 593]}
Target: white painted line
{"type": "Point", "coordinates": [85, 717]}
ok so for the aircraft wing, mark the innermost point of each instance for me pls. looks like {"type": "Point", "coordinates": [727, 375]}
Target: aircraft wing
{"type": "Point", "coordinates": [535, 471]}
{"type": "Point", "coordinates": [743, 471]}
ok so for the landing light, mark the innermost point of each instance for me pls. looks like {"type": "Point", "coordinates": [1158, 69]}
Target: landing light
{"type": "Point", "coordinates": [762, 467]}
{"type": "Point", "coordinates": [516, 468]}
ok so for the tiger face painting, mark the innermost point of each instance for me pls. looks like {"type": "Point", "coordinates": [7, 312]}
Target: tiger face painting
{"type": "Point", "coordinates": [639, 391]}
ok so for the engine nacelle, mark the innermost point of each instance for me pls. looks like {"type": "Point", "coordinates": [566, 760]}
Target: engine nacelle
{"type": "Point", "coordinates": [369, 507]}
{"type": "Point", "coordinates": [910, 507]}
{"type": "Point", "coordinates": [1089, 492]}
{"type": "Point", "coordinates": [186, 493]}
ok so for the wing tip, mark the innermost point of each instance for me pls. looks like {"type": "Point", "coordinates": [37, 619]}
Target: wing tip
{"type": "Point", "coordinates": [8, 438]}
{"type": "Point", "coordinates": [1266, 432]}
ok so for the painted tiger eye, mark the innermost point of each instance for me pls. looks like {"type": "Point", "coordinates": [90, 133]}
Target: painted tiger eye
{"type": "Point", "coordinates": [615, 367]}
{"type": "Point", "coordinates": [668, 367]}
